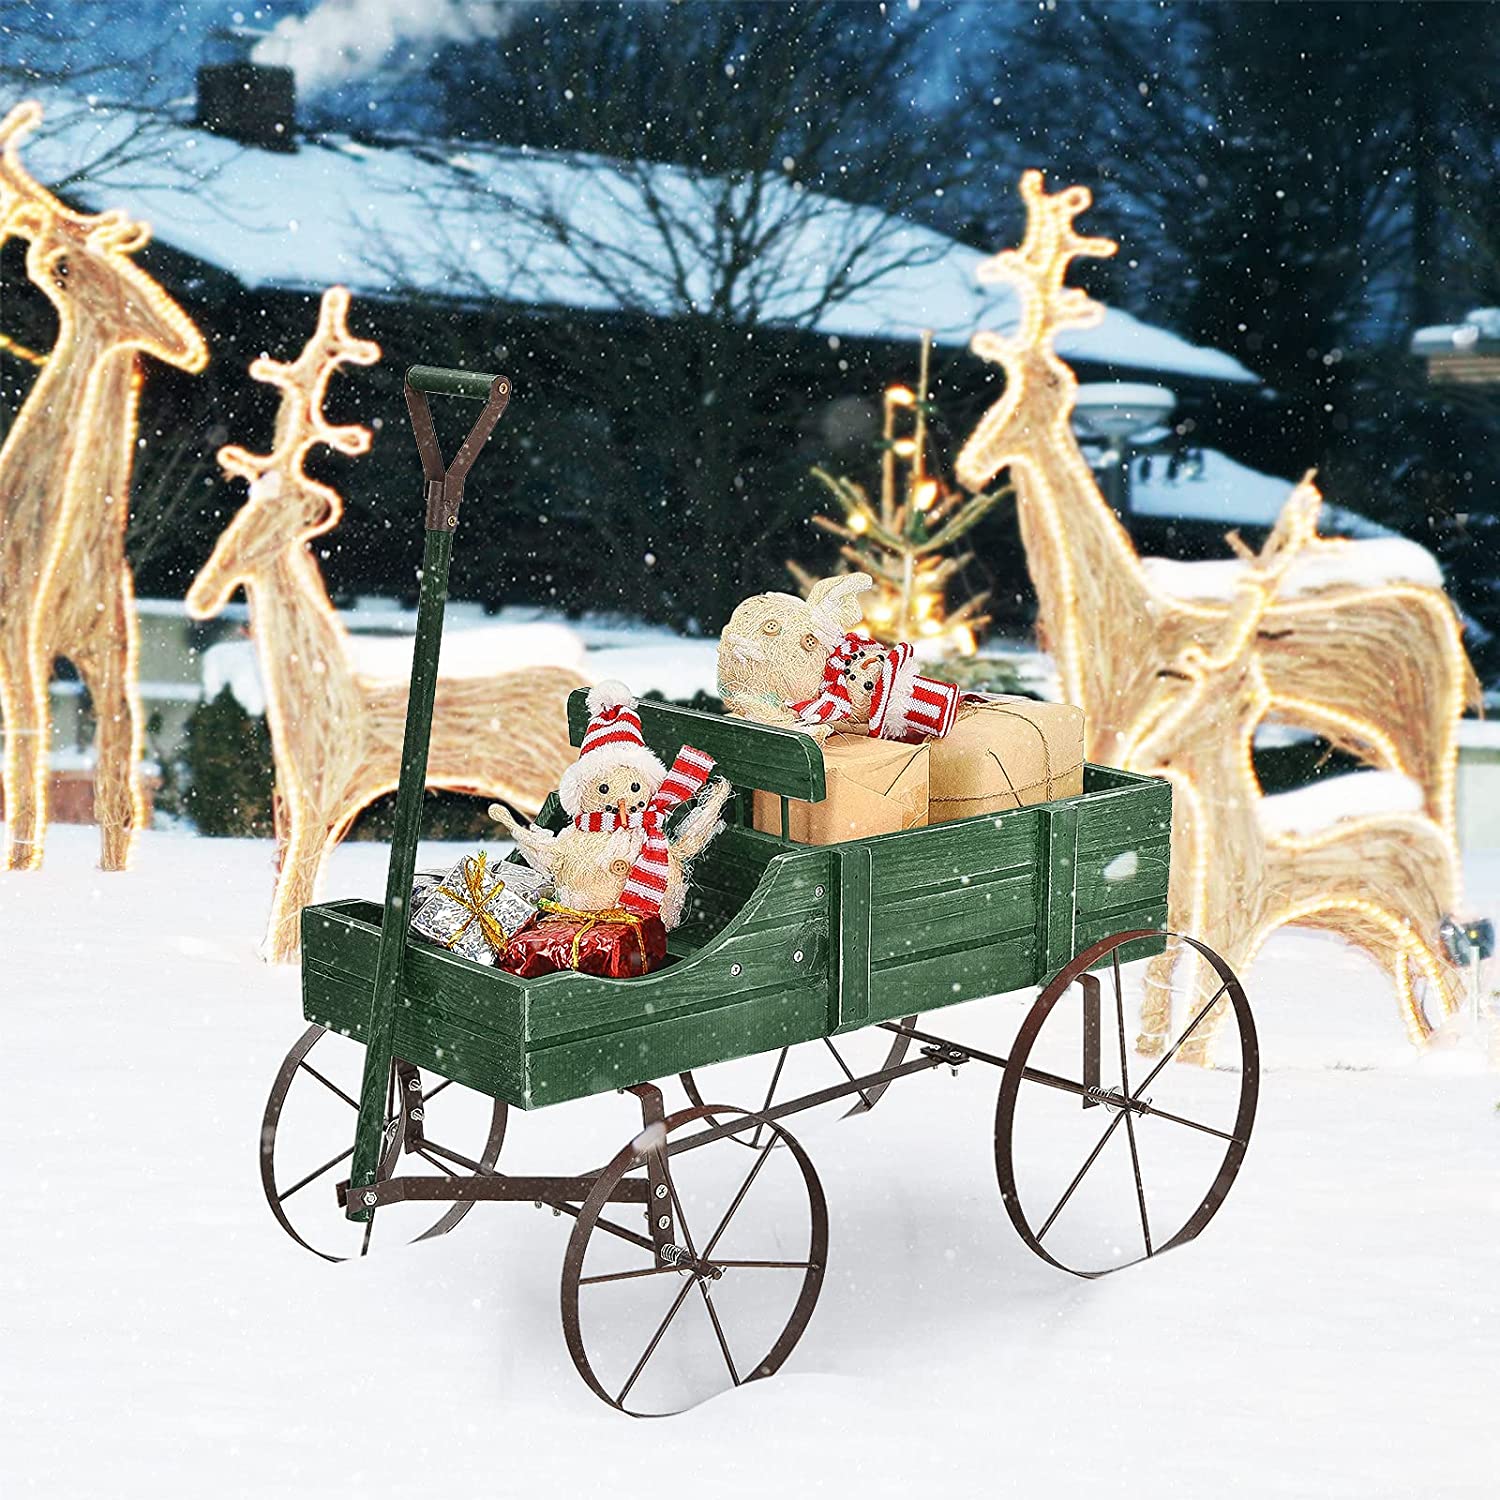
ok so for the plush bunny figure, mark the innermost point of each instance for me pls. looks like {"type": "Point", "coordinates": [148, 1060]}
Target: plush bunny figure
{"type": "Point", "coordinates": [774, 648]}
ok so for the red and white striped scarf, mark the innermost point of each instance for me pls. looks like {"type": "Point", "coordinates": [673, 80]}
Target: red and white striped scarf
{"type": "Point", "coordinates": [905, 705]}
{"type": "Point", "coordinates": [832, 701]}
{"type": "Point", "coordinates": [646, 883]}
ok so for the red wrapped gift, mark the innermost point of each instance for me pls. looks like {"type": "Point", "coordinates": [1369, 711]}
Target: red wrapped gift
{"type": "Point", "coordinates": [612, 944]}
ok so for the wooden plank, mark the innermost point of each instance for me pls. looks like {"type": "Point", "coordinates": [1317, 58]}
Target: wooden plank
{"type": "Point", "coordinates": [1056, 875]}
{"type": "Point", "coordinates": [924, 858]}
{"type": "Point", "coordinates": [735, 1027]}
{"type": "Point", "coordinates": [761, 756]}
{"type": "Point", "coordinates": [941, 979]}
{"type": "Point", "coordinates": [945, 916]}
{"type": "Point", "coordinates": [850, 1000]}
{"type": "Point", "coordinates": [429, 1037]}
{"type": "Point", "coordinates": [1125, 818]}
{"type": "Point", "coordinates": [1110, 880]}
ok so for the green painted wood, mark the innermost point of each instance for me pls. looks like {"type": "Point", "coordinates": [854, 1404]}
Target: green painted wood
{"type": "Point", "coordinates": [919, 859]}
{"type": "Point", "coordinates": [736, 1025]}
{"type": "Point", "coordinates": [433, 380]}
{"type": "Point", "coordinates": [931, 981]}
{"type": "Point", "coordinates": [760, 756]}
{"type": "Point", "coordinates": [1115, 880]}
{"type": "Point", "coordinates": [411, 785]}
{"type": "Point", "coordinates": [910, 921]}
{"type": "Point", "coordinates": [853, 915]}
{"type": "Point", "coordinates": [951, 914]}
{"type": "Point", "coordinates": [1057, 868]}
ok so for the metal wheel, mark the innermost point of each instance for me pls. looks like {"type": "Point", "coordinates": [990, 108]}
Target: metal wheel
{"type": "Point", "coordinates": [793, 1071]}
{"type": "Point", "coordinates": [1104, 1158]}
{"type": "Point", "coordinates": [310, 1116]}
{"type": "Point", "coordinates": [727, 1299]}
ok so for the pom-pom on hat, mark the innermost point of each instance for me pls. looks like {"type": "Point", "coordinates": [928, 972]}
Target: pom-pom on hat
{"type": "Point", "coordinates": [612, 739]}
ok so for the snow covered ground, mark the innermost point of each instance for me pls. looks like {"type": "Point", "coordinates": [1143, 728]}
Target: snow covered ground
{"type": "Point", "coordinates": [1332, 1334]}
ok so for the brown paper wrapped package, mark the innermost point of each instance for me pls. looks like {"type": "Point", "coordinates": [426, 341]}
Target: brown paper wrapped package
{"type": "Point", "coordinates": [1008, 753]}
{"type": "Point", "coordinates": [873, 786]}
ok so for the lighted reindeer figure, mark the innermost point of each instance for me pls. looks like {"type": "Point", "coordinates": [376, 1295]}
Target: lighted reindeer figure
{"type": "Point", "coordinates": [65, 470]}
{"type": "Point", "coordinates": [336, 734]}
{"type": "Point", "coordinates": [1382, 879]}
{"type": "Point", "coordinates": [1378, 671]}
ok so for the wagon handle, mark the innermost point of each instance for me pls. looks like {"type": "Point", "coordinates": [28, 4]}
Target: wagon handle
{"type": "Point", "coordinates": [444, 493]}
{"type": "Point", "coordinates": [445, 482]}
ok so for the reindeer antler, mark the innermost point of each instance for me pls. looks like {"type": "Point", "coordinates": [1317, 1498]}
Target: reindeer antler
{"type": "Point", "coordinates": [1037, 268]}
{"type": "Point", "coordinates": [300, 424]}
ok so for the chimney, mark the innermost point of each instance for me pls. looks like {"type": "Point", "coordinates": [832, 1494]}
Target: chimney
{"type": "Point", "coordinates": [250, 102]}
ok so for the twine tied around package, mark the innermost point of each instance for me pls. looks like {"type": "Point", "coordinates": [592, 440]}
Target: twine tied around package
{"type": "Point", "coordinates": [474, 900]}
{"type": "Point", "coordinates": [591, 919]}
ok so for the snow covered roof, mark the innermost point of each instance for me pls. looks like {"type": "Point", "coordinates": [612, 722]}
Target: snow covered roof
{"type": "Point", "coordinates": [1229, 493]}
{"type": "Point", "coordinates": [451, 221]}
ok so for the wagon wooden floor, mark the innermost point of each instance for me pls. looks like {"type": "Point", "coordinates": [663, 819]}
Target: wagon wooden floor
{"type": "Point", "coordinates": [1333, 1333]}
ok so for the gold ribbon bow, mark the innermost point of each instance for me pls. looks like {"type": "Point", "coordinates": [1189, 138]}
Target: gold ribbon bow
{"type": "Point", "coordinates": [474, 900]}
{"type": "Point", "coordinates": [592, 919]}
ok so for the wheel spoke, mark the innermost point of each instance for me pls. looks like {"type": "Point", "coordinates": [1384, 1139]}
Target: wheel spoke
{"type": "Point", "coordinates": [739, 1197]}
{"type": "Point", "coordinates": [433, 1161]}
{"type": "Point", "coordinates": [1062, 1202]}
{"type": "Point", "coordinates": [1135, 1160]}
{"type": "Point", "coordinates": [1172, 1052]}
{"type": "Point", "coordinates": [1165, 1114]}
{"type": "Point", "coordinates": [353, 1104]}
{"type": "Point", "coordinates": [629, 1275]}
{"type": "Point", "coordinates": [839, 1059]}
{"type": "Point", "coordinates": [656, 1338]}
{"type": "Point", "coordinates": [768, 1265]}
{"type": "Point", "coordinates": [713, 1315]}
{"type": "Point", "coordinates": [314, 1175]}
{"type": "Point", "coordinates": [364, 1244]}
{"type": "Point", "coordinates": [447, 1083]}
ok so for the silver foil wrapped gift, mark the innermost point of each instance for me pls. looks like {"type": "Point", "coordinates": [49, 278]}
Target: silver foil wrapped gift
{"type": "Point", "coordinates": [477, 906]}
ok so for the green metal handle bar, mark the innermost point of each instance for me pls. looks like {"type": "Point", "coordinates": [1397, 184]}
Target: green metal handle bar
{"type": "Point", "coordinates": [444, 494]}
{"type": "Point", "coordinates": [470, 385]}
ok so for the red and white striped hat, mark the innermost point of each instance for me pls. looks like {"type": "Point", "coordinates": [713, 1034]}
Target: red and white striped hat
{"type": "Point", "coordinates": [612, 739]}
{"type": "Point", "coordinates": [907, 706]}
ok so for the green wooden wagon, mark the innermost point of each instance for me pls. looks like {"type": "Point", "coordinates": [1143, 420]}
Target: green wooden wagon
{"type": "Point", "coordinates": [787, 954]}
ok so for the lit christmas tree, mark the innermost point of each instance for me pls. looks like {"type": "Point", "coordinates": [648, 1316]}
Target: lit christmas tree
{"type": "Point", "coordinates": [904, 541]}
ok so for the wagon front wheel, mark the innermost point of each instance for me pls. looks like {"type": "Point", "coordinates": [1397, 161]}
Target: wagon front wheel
{"type": "Point", "coordinates": [724, 1292]}
{"type": "Point", "coordinates": [1105, 1158]}
{"type": "Point", "coordinates": [307, 1139]}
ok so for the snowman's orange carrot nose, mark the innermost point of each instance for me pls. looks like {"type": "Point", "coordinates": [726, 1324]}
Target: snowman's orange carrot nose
{"type": "Point", "coordinates": [621, 807]}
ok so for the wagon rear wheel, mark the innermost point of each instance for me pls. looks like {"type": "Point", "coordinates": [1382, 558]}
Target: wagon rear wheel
{"type": "Point", "coordinates": [1105, 1158]}
{"type": "Point", "coordinates": [307, 1139]}
{"type": "Point", "coordinates": [655, 1333]}
{"type": "Point", "coordinates": [775, 1077]}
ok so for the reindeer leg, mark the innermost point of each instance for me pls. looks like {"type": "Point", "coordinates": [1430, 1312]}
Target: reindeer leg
{"type": "Point", "coordinates": [28, 733]}
{"type": "Point", "coordinates": [301, 864]}
{"type": "Point", "coordinates": [119, 808]}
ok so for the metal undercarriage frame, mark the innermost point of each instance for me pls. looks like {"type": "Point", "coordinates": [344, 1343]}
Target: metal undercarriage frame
{"type": "Point", "coordinates": [564, 1193]}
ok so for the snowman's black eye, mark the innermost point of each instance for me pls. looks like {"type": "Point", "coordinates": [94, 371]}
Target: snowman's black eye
{"type": "Point", "coordinates": [635, 786]}
{"type": "Point", "coordinates": [869, 687]}
{"type": "Point", "coordinates": [604, 787]}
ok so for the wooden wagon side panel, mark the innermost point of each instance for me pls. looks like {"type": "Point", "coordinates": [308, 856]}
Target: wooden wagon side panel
{"type": "Point", "coordinates": [762, 983]}
{"type": "Point", "coordinates": [952, 914]}
{"type": "Point", "coordinates": [462, 1020]}
{"type": "Point", "coordinates": [1123, 858]}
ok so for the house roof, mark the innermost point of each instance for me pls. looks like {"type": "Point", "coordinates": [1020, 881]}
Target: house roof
{"type": "Point", "coordinates": [456, 221]}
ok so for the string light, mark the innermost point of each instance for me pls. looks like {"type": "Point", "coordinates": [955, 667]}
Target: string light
{"type": "Point", "coordinates": [336, 735]}
{"type": "Point", "coordinates": [21, 352]}
{"type": "Point", "coordinates": [65, 470]}
{"type": "Point", "coordinates": [1112, 632]}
